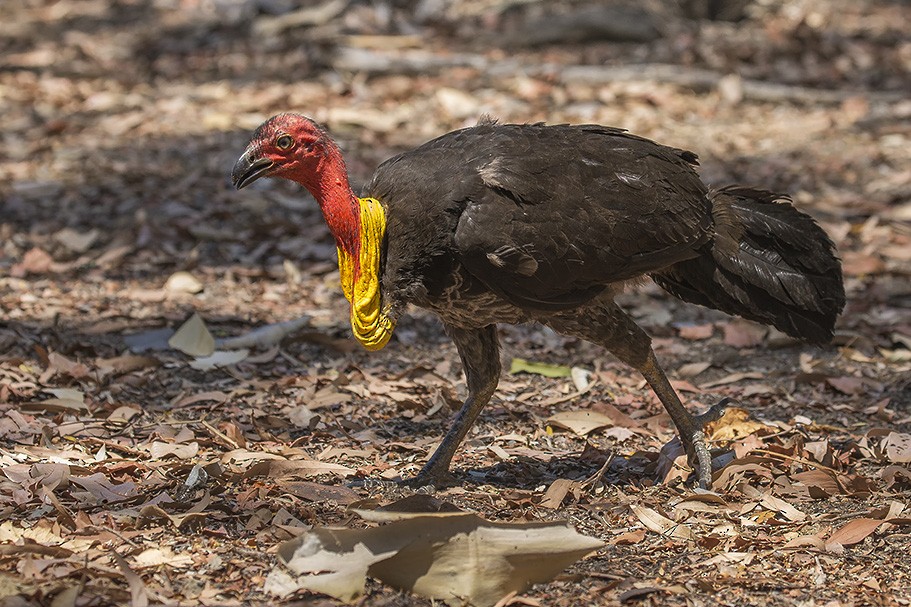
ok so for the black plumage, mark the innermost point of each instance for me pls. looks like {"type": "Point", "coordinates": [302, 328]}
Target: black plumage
{"type": "Point", "coordinates": [515, 223]}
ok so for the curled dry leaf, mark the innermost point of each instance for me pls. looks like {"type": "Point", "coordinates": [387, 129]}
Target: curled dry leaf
{"type": "Point", "coordinates": [182, 282]}
{"type": "Point", "coordinates": [455, 557]}
{"type": "Point", "coordinates": [776, 504]}
{"type": "Point", "coordinates": [661, 524]}
{"type": "Point", "coordinates": [219, 358]}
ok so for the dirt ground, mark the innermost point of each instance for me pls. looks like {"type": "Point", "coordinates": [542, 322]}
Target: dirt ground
{"type": "Point", "coordinates": [121, 120]}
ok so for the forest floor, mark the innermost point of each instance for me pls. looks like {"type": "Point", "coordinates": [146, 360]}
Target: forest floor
{"type": "Point", "coordinates": [121, 122]}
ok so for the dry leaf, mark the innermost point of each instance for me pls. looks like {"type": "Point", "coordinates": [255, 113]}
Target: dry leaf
{"type": "Point", "coordinates": [35, 261]}
{"type": "Point", "coordinates": [153, 557]}
{"type": "Point", "coordinates": [553, 497]}
{"type": "Point", "coordinates": [520, 365]}
{"type": "Point", "coordinates": [744, 334]}
{"type": "Point", "coordinates": [776, 504]}
{"type": "Point", "coordinates": [278, 468]}
{"type": "Point", "coordinates": [182, 282]}
{"type": "Point", "coordinates": [897, 447]}
{"type": "Point", "coordinates": [126, 363]}
{"type": "Point", "coordinates": [78, 242]}
{"type": "Point", "coordinates": [735, 424]}
{"type": "Point", "coordinates": [159, 450]}
{"type": "Point", "coordinates": [219, 358]}
{"type": "Point", "coordinates": [454, 557]}
{"type": "Point", "coordinates": [139, 596]}
{"type": "Point", "coordinates": [661, 524]}
{"type": "Point", "coordinates": [854, 532]}
{"type": "Point", "coordinates": [693, 369]}
{"type": "Point", "coordinates": [193, 338]}
{"type": "Point", "coordinates": [630, 537]}
{"type": "Point", "coordinates": [580, 422]}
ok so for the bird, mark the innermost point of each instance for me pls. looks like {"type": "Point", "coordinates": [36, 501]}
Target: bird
{"type": "Point", "coordinates": [516, 223]}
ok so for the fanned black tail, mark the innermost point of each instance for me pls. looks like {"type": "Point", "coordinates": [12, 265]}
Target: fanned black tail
{"type": "Point", "coordinates": [768, 262]}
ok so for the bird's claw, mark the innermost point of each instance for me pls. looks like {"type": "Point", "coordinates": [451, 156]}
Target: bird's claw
{"type": "Point", "coordinates": [696, 446]}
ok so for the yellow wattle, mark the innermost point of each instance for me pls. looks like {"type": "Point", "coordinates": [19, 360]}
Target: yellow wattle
{"type": "Point", "coordinates": [361, 281]}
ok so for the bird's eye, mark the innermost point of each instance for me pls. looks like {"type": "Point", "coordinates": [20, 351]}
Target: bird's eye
{"type": "Point", "coordinates": [284, 142]}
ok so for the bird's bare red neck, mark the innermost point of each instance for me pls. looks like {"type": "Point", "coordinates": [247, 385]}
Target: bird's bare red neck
{"type": "Point", "coordinates": [330, 186]}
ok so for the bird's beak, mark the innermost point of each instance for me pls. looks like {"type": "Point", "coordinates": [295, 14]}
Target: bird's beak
{"type": "Point", "coordinates": [247, 170]}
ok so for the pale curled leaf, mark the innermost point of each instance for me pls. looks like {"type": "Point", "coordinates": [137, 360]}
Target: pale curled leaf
{"type": "Point", "coordinates": [661, 524]}
{"type": "Point", "coordinates": [219, 358]}
{"type": "Point", "coordinates": [455, 557]}
{"type": "Point", "coordinates": [897, 447]}
{"type": "Point", "coordinates": [265, 336]}
{"type": "Point", "coordinates": [183, 282]}
{"type": "Point", "coordinates": [779, 505]}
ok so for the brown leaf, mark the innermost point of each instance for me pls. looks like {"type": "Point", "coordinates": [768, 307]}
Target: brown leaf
{"type": "Point", "coordinates": [139, 596]}
{"type": "Point", "coordinates": [322, 494]}
{"type": "Point", "coordinates": [553, 497]}
{"type": "Point", "coordinates": [630, 537]}
{"type": "Point", "coordinates": [744, 334]}
{"type": "Point", "coordinates": [693, 369]}
{"type": "Point", "coordinates": [847, 385]}
{"type": "Point", "coordinates": [35, 261]}
{"type": "Point", "coordinates": [897, 447]}
{"type": "Point", "coordinates": [127, 363]}
{"type": "Point", "coordinates": [820, 483]}
{"type": "Point", "coordinates": [854, 532]}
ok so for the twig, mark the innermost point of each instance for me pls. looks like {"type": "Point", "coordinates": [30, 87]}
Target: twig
{"type": "Point", "coordinates": [799, 460]}
{"type": "Point", "coordinates": [265, 336]}
{"type": "Point", "coordinates": [597, 476]}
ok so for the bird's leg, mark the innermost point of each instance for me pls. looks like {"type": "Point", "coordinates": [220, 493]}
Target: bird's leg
{"type": "Point", "coordinates": [480, 354]}
{"type": "Point", "coordinates": [608, 325]}
{"type": "Point", "coordinates": [690, 427]}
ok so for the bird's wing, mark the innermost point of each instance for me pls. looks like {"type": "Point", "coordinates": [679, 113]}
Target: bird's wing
{"type": "Point", "coordinates": [553, 215]}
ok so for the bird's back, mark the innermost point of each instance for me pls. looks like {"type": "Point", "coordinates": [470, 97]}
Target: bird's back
{"type": "Point", "coordinates": [545, 217]}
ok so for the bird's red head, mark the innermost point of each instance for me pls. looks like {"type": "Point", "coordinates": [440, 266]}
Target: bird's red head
{"type": "Point", "coordinates": [287, 145]}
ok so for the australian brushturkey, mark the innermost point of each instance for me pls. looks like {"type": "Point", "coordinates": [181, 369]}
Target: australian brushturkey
{"type": "Point", "coordinates": [516, 223]}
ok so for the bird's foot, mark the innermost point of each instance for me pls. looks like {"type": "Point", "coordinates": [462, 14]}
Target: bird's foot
{"type": "Point", "coordinates": [423, 482]}
{"type": "Point", "coordinates": [696, 446]}
{"type": "Point", "coordinates": [428, 481]}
